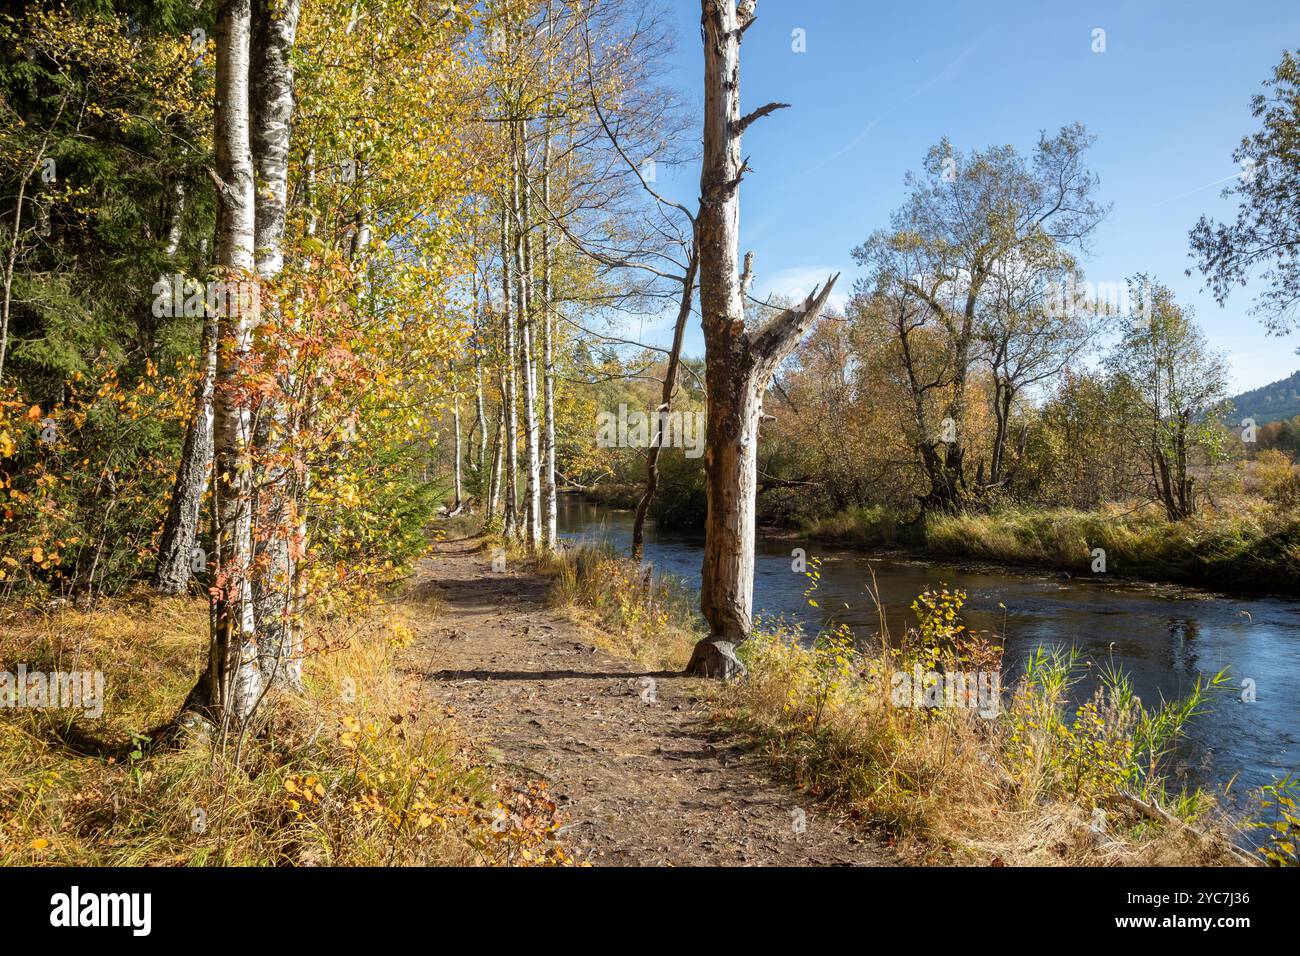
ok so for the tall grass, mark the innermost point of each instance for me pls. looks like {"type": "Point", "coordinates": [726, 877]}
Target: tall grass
{"type": "Point", "coordinates": [1034, 781]}
{"type": "Point", "coordinates": [643, 615]}
{"type": "Point", "coordinates": [1247, 548]}
{"type": "Point", "coordinates": [1244, 549]}
{"type": "Point", "coordinates": [867, 526]}
{"type": "Point", "coordinates": [355, 771]}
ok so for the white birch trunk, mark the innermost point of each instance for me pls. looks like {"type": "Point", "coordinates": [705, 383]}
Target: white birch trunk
{"type": "Point", "coordinates": [550, 536]}
{"type": "Point", "coordinates": [457, 502]}
{"type": "Point", "coordinates": [233, 682]}
{"type": "Point", "coordinates": [480, 415]}
{"type": "Point", "coordinates": [178, 546]}
{"type": "Point", "coordinates": [494, 485]}
{"type": "Point", "coordinates": [275, 24]}
{"type": "Point", "coordinates": [174, 223]}
{"type": "Point", "coordinates": [510, 516]}
{"type": "Point", "coordinates": [523, 310]}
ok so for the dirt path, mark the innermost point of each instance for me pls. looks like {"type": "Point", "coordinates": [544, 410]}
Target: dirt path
{"type": "Point", "coordinates": [638, 781]}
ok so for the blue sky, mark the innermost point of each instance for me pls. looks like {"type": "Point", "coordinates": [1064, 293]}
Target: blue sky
{"type": "Point", "coordinates": [882, 81]}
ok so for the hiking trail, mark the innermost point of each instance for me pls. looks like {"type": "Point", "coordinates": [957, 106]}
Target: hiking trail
{"type": "Point", "coordinates": [640, 773]}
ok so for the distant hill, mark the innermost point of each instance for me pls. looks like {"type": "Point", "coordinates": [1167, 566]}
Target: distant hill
{"type": "Point", "coordinates": [1271, 402]}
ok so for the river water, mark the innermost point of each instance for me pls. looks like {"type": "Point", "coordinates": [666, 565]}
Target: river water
{"type": "Point", "coordinates": [1164, 637]}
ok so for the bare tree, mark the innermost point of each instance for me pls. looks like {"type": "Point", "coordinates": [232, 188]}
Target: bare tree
{"type": "Point", "coordinates": [739, 362]}
{"type": "Point", "coordinates": [665, 405]}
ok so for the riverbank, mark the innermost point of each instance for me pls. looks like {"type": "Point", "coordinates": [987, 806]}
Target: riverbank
{"type": "Point", "coordinates": [506, 714]}
{"type": "Point", "coordinates": [1252, 552]}
{"type": "Point", "coordinates": [1031, 782]}
{"type": "Point", "coordinates": [1253, 549]}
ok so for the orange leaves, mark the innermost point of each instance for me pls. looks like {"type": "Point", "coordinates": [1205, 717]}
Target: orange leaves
{"type": "Point", "coordinates": [68, 472]}
{"type": "Point", "coordinates": [339, 356]}
{"type": "Point", "coordinates": [523, 827]}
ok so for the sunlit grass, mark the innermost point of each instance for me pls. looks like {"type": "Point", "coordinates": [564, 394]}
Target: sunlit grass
{"type": "Point", "coordinates": [1041, 782]}
{"type": "Point", "coordinates": [1245, 547]}
{"type": "Point", "coordinates": [1239, 544]}
{"type": "Point", "coordinates": [357, 770]}
{"type": "Point", "coordinates": [646, 616]}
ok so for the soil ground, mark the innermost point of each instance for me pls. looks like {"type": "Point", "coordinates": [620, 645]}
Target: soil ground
{"type": "Point", "coordinates": [642, 776]}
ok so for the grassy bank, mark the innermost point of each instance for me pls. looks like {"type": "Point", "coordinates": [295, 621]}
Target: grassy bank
{"type": "Point", "coordinates": [1030, 780]}
{"type": "Point", "coordinates": [355, 771]}
{"type": "Point", "coordinates": [631, 611]}
{"type": "Point", "coordinates": [1248, 550]}
{"type": "Point", "coordinates": [1032, 784]}
{"type": "Point", "coordinates": [613, 495]}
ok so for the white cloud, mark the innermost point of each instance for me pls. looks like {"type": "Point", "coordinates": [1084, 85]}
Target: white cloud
{"type": "Point", "coordinates": [798, 281]}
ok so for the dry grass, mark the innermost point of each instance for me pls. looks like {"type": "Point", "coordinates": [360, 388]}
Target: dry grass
{"type": "Point", "coordinates": [630, 610]}
{"type": "Point", "coordinates": [467, 524]}
{"type": "Point", "coordinates": [1242, 541]}
{"type": "Point", "coordinates": [864, 527]}
{"type": "Point", "coordinates": [355, 771]}
{"type": "Point", "coordinates": [1031, 785]}
{"type": "Point", "coordinates": [1243, 544]}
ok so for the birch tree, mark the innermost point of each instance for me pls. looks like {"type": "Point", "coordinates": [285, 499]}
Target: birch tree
{"type": "Point", "coordinates": [524, 314]}
{"type": "Point", "coordinates": [178, 546]}
{"type": "Point", "coordinates": [275, 23]}
{"type": "Point", "coordinates": [232, 684]}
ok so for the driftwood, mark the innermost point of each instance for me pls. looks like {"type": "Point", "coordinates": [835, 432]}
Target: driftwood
{"type": "Point", "coordinates": [1154, 811]}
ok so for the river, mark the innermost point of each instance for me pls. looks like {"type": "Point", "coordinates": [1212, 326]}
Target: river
{"type": "Point", "coordinates": [1163, 636]}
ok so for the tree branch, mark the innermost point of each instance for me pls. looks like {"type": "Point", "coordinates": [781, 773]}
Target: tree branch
{"type": "Point", "coordinates": [759, 113]}
{"type": "Point", "coordinates": [775, 340]}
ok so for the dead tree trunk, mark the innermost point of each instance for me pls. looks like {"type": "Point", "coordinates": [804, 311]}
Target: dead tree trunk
{"type": "Point", "coordinates": [739, 362]}
{"type": "Point", "coordinates": [665, 404]}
